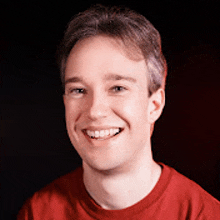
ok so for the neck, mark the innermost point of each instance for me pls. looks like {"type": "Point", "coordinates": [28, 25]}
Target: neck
{"type": "Point", "coordinates": [115, 190]}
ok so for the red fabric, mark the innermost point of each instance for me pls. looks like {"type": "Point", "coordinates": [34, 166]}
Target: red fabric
{"type": "Point", "coordinates": [173, 197]}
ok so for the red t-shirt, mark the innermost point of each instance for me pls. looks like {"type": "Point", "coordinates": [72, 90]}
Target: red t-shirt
{"type": "Point", "coordinates": [173, 197]}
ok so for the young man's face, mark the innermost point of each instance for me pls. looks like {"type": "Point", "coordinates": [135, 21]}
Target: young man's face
{"type": "Point", "coordinates": [108, 111]}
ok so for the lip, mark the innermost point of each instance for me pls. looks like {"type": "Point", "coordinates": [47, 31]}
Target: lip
{"type": "Point", "coordinates": [98, 129]}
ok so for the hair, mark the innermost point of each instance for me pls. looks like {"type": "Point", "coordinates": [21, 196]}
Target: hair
{"type": "Point", "coordinates": [120, 23]}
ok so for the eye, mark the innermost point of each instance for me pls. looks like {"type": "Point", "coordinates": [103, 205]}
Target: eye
{"type": "Point", "coordinates": [117, 89]}
{"type": "Point", "coordinates": [75, 92]}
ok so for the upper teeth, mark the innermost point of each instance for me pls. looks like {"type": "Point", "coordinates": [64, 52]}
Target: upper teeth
{"type": "Point", "coordinates": [102, 133]}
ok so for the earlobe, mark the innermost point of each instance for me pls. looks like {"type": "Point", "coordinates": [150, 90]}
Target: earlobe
{"type": "Point", "coordinates": [156, 105]}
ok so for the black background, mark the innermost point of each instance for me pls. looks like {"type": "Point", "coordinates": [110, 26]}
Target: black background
{"type": "Point", "coordinates": [35, 148]}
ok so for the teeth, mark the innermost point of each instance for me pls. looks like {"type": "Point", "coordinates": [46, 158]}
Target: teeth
{"type": "Point", "coordinates": [102, 133]}
{"type": "Point", "coordinates": [91, 133]}
{"type": "Point", "coordinates": [111, 132]}
{"type": "Point", "coordinates": [107, 132]}
{"type": "Point", "coordinates": [96, 134]}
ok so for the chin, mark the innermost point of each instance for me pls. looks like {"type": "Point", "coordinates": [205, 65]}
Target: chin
{"type": "Point", "coordinates": [102, 166]}
{"type": "Point", "coordinates": [110, 167]}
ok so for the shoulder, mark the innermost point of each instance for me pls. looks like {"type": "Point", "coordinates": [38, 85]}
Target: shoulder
{"type": "Point", "coordinates": [55, 198]}
{"type": "Point", "coordinates": [191, 196]}
{"type": "Point", "coordinates": [62, 186]}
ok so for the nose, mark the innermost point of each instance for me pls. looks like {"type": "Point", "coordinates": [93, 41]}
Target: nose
{"type": "Point", "coordinates": [98, 106]}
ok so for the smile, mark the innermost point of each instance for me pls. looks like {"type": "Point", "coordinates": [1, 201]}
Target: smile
{"type": "Point", "coordinates": [102, 134]}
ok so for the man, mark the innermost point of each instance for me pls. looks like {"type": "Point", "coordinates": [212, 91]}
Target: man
{"type": "Point", "coordinates": [113, 72]}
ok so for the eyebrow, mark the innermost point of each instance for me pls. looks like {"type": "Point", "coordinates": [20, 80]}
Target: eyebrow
{"type": "Point", "coordinates": [109, 77]}
{"type": "Point", "coordinates": [115, 77]}
{"type": "Point", "coordinates": [73, 79]}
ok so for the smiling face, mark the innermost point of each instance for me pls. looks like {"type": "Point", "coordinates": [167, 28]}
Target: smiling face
{"type": "Point", "coordinates": [108, 110]}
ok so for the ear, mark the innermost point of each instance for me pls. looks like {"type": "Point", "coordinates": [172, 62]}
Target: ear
{"type": "Point", "coordinates": [64, 100]}
{"type": "Point", "coordinates": [156, 105]}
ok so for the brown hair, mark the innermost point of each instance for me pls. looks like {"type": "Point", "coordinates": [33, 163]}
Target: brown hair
{"type": "Point", "coordinates": [133, 29]}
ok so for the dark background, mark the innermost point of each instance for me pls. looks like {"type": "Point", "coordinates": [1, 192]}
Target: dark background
{"type": "Point", "coordinates": [35, 148]}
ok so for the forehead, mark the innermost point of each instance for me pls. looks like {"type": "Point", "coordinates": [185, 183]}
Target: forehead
{"type": "Point", "coordinates": [125, 45]}
{"type": "Point", "coordinates": [100, 56]}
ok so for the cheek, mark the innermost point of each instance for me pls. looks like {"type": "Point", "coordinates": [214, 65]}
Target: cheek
{"type": "Point", "coordinates": [68, 113]}
{"type": "Point", "coordinates": [71, 115]}
{"type": "Point", "coordinates": [72, 110]}
{"type": "Point", "coordinates": [133, 111]}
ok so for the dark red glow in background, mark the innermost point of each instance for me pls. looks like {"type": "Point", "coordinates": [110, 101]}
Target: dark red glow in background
{"type": "Point", "coordinates": [35, 148]}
